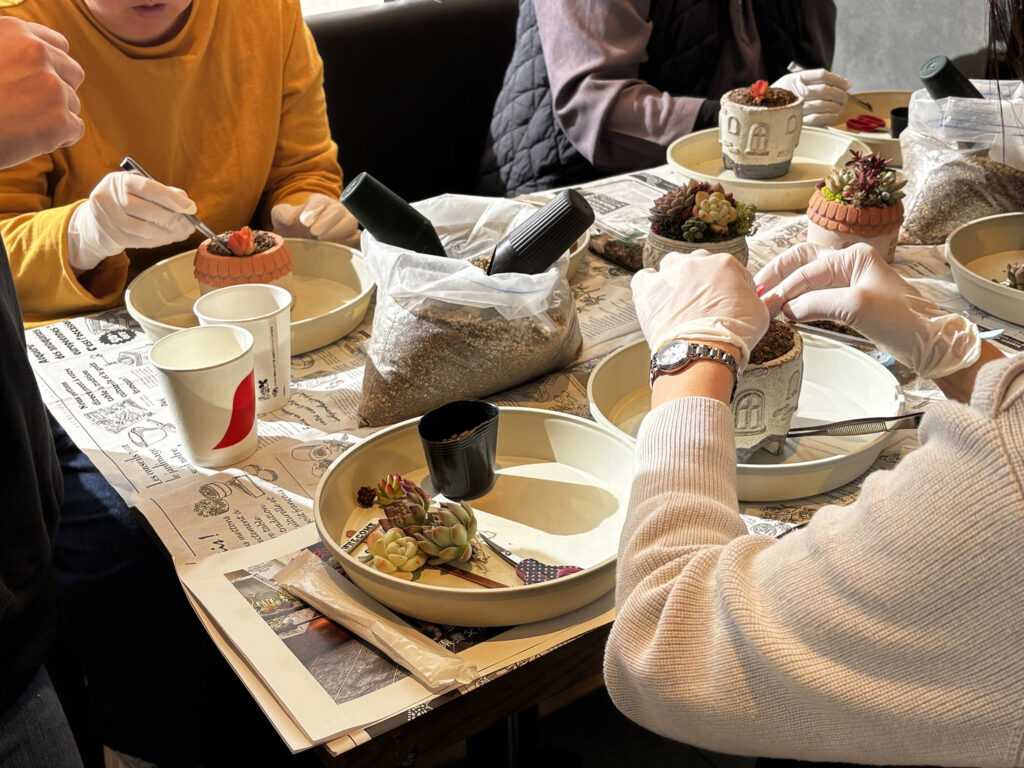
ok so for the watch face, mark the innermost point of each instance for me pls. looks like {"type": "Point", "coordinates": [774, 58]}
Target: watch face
{"type": "Point", "coordinates": [672, 354]}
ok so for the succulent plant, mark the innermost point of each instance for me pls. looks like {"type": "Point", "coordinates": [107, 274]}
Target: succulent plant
{"type": "Point", "coordinates": [701, 212]}
{"type": "Point", "coordinates": [1015, 276]}
{"type": "Point", "coordinates": [448, 536]}
{"type": "Point", "coordinates": [395, 551]}
{"type": "Point", "coordinates": [715, 211]}
{"type": "Point", "coordinates": [242, 242]}
{"type": "Point", "coordinates": [673, 209]}
{"type": "Point", "coordinates": [390, 489]}
{"type": "Point", "coordinates": [866, 181]}
{"type": "Point", "coordinates": [404, 503]}
{"type": "Point", "coordinates": [759, 90]}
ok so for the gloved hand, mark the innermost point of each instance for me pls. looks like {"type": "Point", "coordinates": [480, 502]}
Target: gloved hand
{"type": "Point", "coordinates": [699, 296]}
{"type": "Point", "coordinates": [126, 210]}
{"type": "Point", "coordinates": [824, 94]}
{"type": "Point", "coordinates": [856, 287]}
{"type": "Point", "coordinates": [320, 218]}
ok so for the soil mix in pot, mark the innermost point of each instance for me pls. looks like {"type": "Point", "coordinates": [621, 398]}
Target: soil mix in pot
{"type": "Point", "coordinates": [776, 342]}
{"type": "Point", "coordinates": [776, 97]}
{"type": "Point", "coordinates": [262, 241]}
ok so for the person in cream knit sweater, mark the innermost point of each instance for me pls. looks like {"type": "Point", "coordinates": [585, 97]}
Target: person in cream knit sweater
{"type": "Point", "coordinates": [885, 631]}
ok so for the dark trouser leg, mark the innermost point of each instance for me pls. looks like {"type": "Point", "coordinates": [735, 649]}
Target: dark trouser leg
{"type": "Point", "coordinates": [157, 687]}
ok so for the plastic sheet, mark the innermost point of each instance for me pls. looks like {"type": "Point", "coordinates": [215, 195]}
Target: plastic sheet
{"type": "Point", "coordinates": [444, 330]}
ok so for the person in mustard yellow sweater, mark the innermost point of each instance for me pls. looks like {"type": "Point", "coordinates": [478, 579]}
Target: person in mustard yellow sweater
{"type": "Point", "coordinates": [221, 102]}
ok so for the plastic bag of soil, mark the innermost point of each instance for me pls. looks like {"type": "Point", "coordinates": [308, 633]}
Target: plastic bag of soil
{"type": "Point", "coordinates": [443, 329]}
{"type": "Point", "coordinates": [963, 159]}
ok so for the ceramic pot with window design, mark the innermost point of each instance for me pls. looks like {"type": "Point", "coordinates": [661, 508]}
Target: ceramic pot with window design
{"type": "Point", "coordinates": [758, 141]}
{"type": "Point", "coordinates": [766, 397]}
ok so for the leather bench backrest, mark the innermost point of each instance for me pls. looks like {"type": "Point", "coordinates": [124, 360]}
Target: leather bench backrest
{"type": "Point", "coordinates": [410, 87]}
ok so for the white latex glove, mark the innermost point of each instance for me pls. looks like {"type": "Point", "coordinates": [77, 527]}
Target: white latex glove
{"type": "Point", "coordinates": [699, 296]}
{"type": "Point", "coordinates": [126, 210]}
{"type": "Point", "coordinates": [38, 104]}
{"type": "Point", "coordinates": [320, 218]}
{"type": "Point", "coordinates": [854, 286]}
{"type": "Point", "coordinates": [824, 94]}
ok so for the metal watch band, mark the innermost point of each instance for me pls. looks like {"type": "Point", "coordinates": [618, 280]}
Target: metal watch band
{"type": "Point", "coordinates": [696, 351]}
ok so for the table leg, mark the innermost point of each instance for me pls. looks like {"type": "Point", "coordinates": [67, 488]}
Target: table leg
{"type": "Point", "coordinates": [510, 743]}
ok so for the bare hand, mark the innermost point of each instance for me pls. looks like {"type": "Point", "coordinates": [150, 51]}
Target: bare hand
{"type": "Point", "coordinates": [38, 104]}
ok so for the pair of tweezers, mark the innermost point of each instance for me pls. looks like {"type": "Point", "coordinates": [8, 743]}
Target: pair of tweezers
{"type": "Point", "coordinates": [863, 426]}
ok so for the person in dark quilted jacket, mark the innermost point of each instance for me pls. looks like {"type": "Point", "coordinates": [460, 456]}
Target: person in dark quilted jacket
{"type": "Point", "coordinates": [604, 86]}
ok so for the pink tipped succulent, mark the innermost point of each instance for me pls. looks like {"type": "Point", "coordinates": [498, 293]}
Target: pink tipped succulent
{"type": "Point", "coordinates": [242, 242]}
{"type": "Point", "coordinates": [759, 90]}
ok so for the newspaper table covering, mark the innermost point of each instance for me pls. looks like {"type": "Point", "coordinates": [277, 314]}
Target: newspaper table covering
{"type": "Point", "coordinates": [228, 531]}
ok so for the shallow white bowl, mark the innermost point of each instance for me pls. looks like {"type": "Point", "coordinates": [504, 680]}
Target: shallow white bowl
{"type": "Point", "coordinates": [978, 253]}
{"type": "Point", "coordinates": [699, 156]}
{"type": "Point", "coordinates": [331, 286]}
{"type": "Point", "coordinates": [560, 496]}
{"type": "Point", "coordinates": [839, 383]}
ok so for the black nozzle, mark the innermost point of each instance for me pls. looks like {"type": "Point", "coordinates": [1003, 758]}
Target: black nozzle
{"type": "Point", "coordinates": [389, 218]}
{"type": "Point", "coordinates": [942, 79]}
{"type": "Point", "coordinates": [535, 244]}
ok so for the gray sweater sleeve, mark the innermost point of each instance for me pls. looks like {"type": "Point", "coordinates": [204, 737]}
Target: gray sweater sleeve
{"type": "Point", "coordinates": [886, 631]}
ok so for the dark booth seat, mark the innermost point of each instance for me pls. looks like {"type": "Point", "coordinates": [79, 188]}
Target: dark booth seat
{"type": "Point", "coordinates": [410, 87]}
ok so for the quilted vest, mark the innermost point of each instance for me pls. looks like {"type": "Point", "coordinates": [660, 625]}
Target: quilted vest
{"type": "Point", "coordinates": [527, 150]}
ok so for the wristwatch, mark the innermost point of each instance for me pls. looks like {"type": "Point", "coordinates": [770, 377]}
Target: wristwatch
{"type": "Point", "coordinates": [678, 354]}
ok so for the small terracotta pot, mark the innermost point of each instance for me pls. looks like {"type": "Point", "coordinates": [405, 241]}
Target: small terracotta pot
{"type": "Point", "coordinates": [766, 399]}
{"type": "Point", "coordinates": [835, 225]}
{"type": "Point", "coordinates": [758, 142]}
{"type": "Point", "coordinates": [657, 247]}
{"type": "Point", "coordinates": [272, 266]}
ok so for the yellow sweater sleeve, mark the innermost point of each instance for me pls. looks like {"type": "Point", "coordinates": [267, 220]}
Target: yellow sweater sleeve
{"type": "Point", "coordinates": [36, 236]}
{"type": "Point", "coordinates": [305, 160]}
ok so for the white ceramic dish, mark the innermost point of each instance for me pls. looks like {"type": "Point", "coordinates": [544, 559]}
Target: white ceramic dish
{"type": "Point", "coordinates": [576, 255]}
{"type": "Point", "coordinates": [839, 383]}
{"type": "Point", "coordinates": [331, 286]}
{"type": "Point", "coordinates": [978, 253]}
{"type": "Point", "coordinates": [699, 156]}
{"type": "Point", "coordinates": [560, 497]}
{"type": "Point", "coordinates": [881, 102]}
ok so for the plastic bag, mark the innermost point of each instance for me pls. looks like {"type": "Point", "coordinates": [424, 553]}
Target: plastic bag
{"type": "Point", "coordinates": [963, 159]}
{"type": "Point", "coordinates": [444, 330]}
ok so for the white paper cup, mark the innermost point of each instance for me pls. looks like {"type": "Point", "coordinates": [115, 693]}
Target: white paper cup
{"type": "Point", "coordinates": [265, 311]}
{"type": "Point", "coordinates": [207, 375]}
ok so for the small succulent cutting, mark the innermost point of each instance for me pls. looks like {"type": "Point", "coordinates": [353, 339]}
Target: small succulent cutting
{"type": "Point", "coordinates": [404, 502]}
{"type": "Point", "coordinates": [449, 535]}
{"type": "Point", "coordinates": [866, 181]}
{"type": "Point", "coordinates": [421, 528]}
{"type": "Point", "coordinates": [759, 91]}
{"type": "Point", "coordinates": [397, 552]}
{"type": "Point", "coordinates": [242, 242]}
{"type": "Point", "coordinates": [701, 213]}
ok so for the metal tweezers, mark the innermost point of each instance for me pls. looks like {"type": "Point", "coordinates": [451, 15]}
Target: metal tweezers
{"type": "Point", "coordinates": [863, 426]}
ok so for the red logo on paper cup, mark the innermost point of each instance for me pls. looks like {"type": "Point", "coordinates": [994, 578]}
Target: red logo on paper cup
{"type": "Point", "coordinates": [243, 413]}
